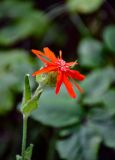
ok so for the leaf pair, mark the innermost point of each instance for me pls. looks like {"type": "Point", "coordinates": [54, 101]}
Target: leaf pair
{"type": "Point", "coordinates": [27, 153]}
{"type": "Point", "coordinates": [29, 103]}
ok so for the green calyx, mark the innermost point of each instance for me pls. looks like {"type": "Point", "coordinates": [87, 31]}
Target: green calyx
{"type": "Point", "coordinates": [47, 79]}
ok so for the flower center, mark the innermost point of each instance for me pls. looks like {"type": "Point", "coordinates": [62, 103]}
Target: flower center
{"type": "Point", "coordinates": [62, 65]}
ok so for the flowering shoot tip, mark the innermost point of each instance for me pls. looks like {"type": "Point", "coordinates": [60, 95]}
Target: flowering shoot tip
{"type": "Point", "coordinates": [64, 73]}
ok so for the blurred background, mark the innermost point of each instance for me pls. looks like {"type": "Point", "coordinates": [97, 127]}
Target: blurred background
{"type": "Point", "coordinates": [62, 128]}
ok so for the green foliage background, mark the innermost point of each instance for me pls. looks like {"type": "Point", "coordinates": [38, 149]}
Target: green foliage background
{"type": "Point", "coordinates": [62, 128]}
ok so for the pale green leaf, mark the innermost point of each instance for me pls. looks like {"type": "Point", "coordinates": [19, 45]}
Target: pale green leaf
{"type": "Point", "coordinates": [84, 6]}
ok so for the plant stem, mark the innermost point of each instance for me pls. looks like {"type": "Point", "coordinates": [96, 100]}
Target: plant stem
{"type": "Point", "coordinates": [24, 136]}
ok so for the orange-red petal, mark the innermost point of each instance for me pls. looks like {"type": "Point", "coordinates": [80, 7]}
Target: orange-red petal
{"type": "Point", "coordinates": [43, 60]}
{"type": "Point", "coordinates": [45, 70]}
{"type": "Point", "coordinates": [76, 75]}
{"type": "Point", "coordinates": [68, 86]}
{"type": "Point", "coordinates": [59, 82]}
{"type": "Point", "coordinates": [36, 52]}
{"type": "Point", "coordinates": [49, 54]}
{"type": "Point", "coordinates": [39, 54]}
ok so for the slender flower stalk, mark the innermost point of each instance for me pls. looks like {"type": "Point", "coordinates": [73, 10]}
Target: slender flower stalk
{"type": "Point", "coordinates": [29, 104]}
{"type": "Point", "coordinates": [65, 75]}
{"type": "Point", "coordinates": [24, 135]}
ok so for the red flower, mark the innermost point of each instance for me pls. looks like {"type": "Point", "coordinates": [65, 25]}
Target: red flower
{"type": "Point", "coordinates": [64, 73]}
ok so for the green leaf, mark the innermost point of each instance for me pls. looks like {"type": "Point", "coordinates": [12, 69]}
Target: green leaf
{"type": "Point", "coordinates": [25, 21]}
{"type": "Point", "coordinates": [109, 101]}
{"type": "Point", "coordinates": [14, 9]}
{"type": "Point", "coordinates": [14, 64]}
{"type": "Point", "coordinates": [27, 90]}
{"type": "Point", "coordinates": [104, 124]}
{"type": "Point", "coordinates": [90, 142]}
{"type": "Point", "coordinates": [84, 6]}
{"type": "Point", "coordinates": [82, 144]}
{"type": "Point", "coordinates": [28, 152]}
{"type": "Point", "coordinates": [90, 52]}
{"type": "Point", "coordinates": [96, 84]}
{"type": "Point", "coordinates": [13, 33]}
{"type": "Point", "coordinates": [30, 106]}
{"type": "Point", "coordinates": [32, 103]}
{"type": "Point", "coordinates": [69, 148]}
{"type": "Point", "coordinates": [57, 110]}
{"type": "Point", "coordinates": [6, 100]}
{"type": "Point", "coordinates": [109, 37]}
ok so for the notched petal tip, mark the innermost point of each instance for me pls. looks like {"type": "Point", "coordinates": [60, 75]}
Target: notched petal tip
{"type": "Point", "coordinates": [82, 77]}
{"type": "Point", "coordinates": [56, 92]}
{"type": "Point", "coordinates": [33, 51]}
{"type": "Point", "coordinates": [46, 48]}
{"type": "Point", "coordinates": [74, 96]}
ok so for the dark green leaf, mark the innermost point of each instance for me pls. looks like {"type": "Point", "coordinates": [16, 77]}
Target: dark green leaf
{"type": "Point", "coordinates": [14, 9]}
{"type": "Point", "coordinates": [14, 64]}
{"type": "Point", "coordinates": [25, 21]}
{"type": "Point", "coordinates": [90, 142]}
{"type": "Point", "coordinates": [109, 101]}
{"type": "Point", "coordinates": [96, 84]}
{"type": "Point", "coordinates": [105, 125]}
{"type": "Point", "coordinates": [82, 144]}
{"type": "Point", "coordinates": [109, 37]}
{"type": "Point", "coordinates": [6, 100]}
{"type": "Point", "coordinates": [69, 148]}
{"type": "Point", "coordinates": [57, 110]}
{"type": "Point", "coordinates": [90, 52]}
